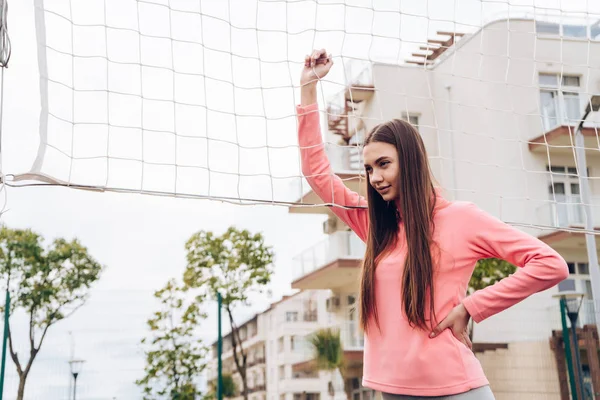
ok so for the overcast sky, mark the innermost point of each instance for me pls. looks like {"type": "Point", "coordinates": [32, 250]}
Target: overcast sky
{"type": "Point", "coordinates": [140, 238]}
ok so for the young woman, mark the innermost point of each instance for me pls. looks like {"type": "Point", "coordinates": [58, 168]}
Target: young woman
{"type": "Point", "coordinates": [421, 252]}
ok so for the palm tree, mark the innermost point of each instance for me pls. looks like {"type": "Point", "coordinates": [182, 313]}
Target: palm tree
{"type": "Point", "coordinates": [329, 356]}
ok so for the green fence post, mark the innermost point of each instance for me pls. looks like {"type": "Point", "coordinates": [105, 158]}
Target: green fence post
{"type": "Point", "coordinates": [4, 340]}
{"type": "Point", "coordinates": [565, 331]}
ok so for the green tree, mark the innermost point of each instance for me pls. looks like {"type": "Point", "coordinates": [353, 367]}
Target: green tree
{"type": "Point", "coordinates": [48, 285]}
{"type": "Point", "coordinates": [176, 357]}
{"type": "Point", "coordinates": [229, 388]}
{"type": "Point", "coordinates": [236, 265]}
{"type": "Point", "coordinates": [329, 356]}
{"type": "Point", "coordinates": [487, 272]}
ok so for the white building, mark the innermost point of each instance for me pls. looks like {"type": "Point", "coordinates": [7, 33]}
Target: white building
{"type": "Point", "coordinates": [497, 111]}
{"type": "Point", "coordinates": [280, 357]}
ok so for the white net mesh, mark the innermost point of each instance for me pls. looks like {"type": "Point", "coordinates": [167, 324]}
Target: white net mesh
{"type": "Point", "coordinates": [197, 98]}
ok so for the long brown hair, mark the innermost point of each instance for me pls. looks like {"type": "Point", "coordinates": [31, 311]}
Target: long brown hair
{"type": "Point", "coordinates": [416, 204]}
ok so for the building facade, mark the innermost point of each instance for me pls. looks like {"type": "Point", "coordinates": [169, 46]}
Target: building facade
{"type": "Point", "coordinates": [279, 356]}
{"type": "Point", "coordinates": [497, 110]}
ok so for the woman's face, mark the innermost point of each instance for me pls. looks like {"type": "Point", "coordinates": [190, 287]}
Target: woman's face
{"type": "Point", "coordinates": [383, 167]}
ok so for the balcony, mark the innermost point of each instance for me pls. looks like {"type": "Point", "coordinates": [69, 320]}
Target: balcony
{"type": "Point", "coordinates": [257, 388]}
{"type": "Point", "coordinates": [346, 163]}
{"type": "Point", "coordinates": [352, 337]}
{"type": "Point", "coordinates": [352, 344]}
{"type": "Point", "coordinates": [561, 140]}
{"type": "Point", "coordinates": [567, 212]}
{"type": "Point", "coordinates": [258, 360]}
{"type": "Point", "coordinates": [557, 120]}
{"type": "Point", "coordinates": [331, 263]}
{"type": "Point", "coordinates": [345, 160]}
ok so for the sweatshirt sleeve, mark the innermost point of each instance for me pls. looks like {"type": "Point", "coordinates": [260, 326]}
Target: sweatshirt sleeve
{"type": "Point", "coordinates": [539, 266]}
{"type": "Point", "coordinates": [325, 183]}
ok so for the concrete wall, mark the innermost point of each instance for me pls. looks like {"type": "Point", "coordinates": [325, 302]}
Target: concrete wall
{"type": "Point", "coordinates": [524, 371]}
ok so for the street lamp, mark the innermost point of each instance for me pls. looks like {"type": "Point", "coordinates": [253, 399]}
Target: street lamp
{"type": "Point", "coordinates": [571, 301]}
{"type": "Point", "coordinates": [586, 199]}
{"type": "Point", "coordinates": [75, 370]}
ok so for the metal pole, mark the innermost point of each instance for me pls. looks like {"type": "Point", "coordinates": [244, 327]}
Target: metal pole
{"type": "Point", "coordinates": [565, 333]}
{"type": "Point", "coordinates": [590, 238]}
{"type": "Point", "coordinates": [4, 340]}
{"type": "Point", "coordinates": [75, 386]}
{"type": "Point", "coordinates": [219, 351]}
{"type": "Point", "coordinates": [577, 357]}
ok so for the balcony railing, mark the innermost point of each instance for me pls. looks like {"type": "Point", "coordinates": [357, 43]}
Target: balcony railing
{"type": "Point", "coordinates": [257, 388]}
{"type": "Point", "coordinates": [558, 109]}
{"type": "Point", "coordinates": [339, 245]}
{"type": "Point", "coordinates": [351, 336]}
{"type": "Point", "coordinates": [344, 158]}
{"type": "Point", "coordinates": [586, 315]}
{"type": "Point", "coordinates": [255, 361]}
{"type": "Point", "coordinates": [567, 211]}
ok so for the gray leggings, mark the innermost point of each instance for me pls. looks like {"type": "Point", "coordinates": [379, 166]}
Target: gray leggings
{"type": "Point", "coordinates": [481, 393]}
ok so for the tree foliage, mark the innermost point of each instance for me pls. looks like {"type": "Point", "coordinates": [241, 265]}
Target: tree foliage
{"type": "Point", "coordinates": [46, 284]}
{"type": "Point", "coordinates": [329, 356]}
{"type": "Point", "coordinates": [327, 347]}
{"type": "Point", "coordinates": [235, 264]}
{"type": "Point", "coordinates": [229, 388]}
{"type": "Point", "coordinates": [488, 271]}
{"type": "Point", "coordinates": [175, 357]}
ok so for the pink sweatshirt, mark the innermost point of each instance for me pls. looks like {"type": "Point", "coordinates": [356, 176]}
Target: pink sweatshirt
{"type": "Point", "coordinates": [404, 360]}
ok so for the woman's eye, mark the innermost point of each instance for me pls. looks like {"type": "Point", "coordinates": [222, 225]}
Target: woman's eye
{"type": "Point", "coordinates": [384, 163]}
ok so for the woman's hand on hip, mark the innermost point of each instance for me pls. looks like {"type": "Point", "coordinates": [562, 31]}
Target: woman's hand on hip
{"type": "Point", "coordinates": [458, 322]}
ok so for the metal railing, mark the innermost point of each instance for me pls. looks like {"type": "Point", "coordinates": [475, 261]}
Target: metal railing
{"type": "Point", "coordinates": [344, 158]}
{"type": "Point", "coordinates": [566, 211]}
{"type": "Point", "coordinates": [351, 336]}
{"type": "Point", "coordinates": [339, 245]}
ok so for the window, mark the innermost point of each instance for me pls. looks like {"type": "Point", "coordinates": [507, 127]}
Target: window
{"type": "Point", "coordinates": [281, 372]}
{"type": "Point", "coordinates": [587, 289]}
{"type": "Point", "coordinates": [575, 31]}
{"type": "Point", "coordinates": [566, 208]}
{"type": "Point", "coordinates": [568, 30]}
{"type": "Point", "coordinates": [547, 28]}
{"type": "Point", "coordinates": [252, 330]}
{"type": "Point", "coordinates": [310, 310]}
{"type": "Point", "coordinates": [413, 119]}
{"type": "Point", "coordinates": [579, 281]}
{"type": "Point", "coordinates": [360, 392]}
{"type": "Point", "coordinates": [351, 299]}
{"type": "Point", "coordinates": [280, 344]}
{"type": "Point", "coordinates": [291, 316]}
{"type": "Point", "coordinates": [300, 345]}
{"type": "Point", "coordinates": [559, 100]}
{"type": "Point", "coordinates": [595, 31]}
